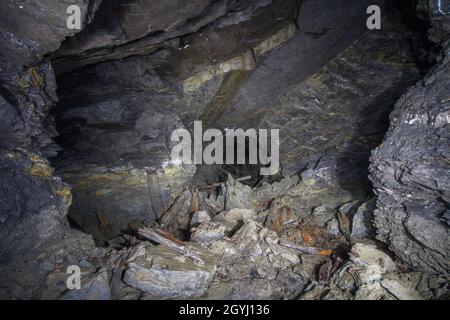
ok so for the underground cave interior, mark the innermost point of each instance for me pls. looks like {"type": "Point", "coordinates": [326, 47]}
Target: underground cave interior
{"type": "Point", "coordinates": [115, 118]}
{"type": "Point", "coordinates": [358, 209]}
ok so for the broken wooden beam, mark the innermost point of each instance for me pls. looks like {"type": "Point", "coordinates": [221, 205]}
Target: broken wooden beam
{"type": "Point", "coordinates": [155, 193]}
{"type": "Point", "coordinates": [116, 278]}
{"type": "Point", "coordinates": [159, 237]}
{"type": "Point", "coordinates": [218, 184]}
{"type": "Point", "coordinates": [304, 249]}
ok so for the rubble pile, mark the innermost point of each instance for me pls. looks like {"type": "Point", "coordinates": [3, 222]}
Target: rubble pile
{"type": "Point", "coordinates": [265, 242]}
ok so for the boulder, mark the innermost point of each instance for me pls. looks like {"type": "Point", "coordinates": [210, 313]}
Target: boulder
{"type": "Point", "coordinates": [163, 273]}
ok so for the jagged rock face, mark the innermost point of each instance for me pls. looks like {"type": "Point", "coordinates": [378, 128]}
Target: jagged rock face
{"type": "Point", "coordinates": [34, 232]}
{"type": "Point", "coordinates": [25, 108]}
{"type": "Point", "coordinates": [410, 172]}
{"type": "Point", "coordinates": [35, 235]}
{"type": "Point", "coordinates": [437, 14]}
{"type": "Point", "coordinates": [325, 30]}
{"type": "Point", "coordinates": [142, 27]}
{"type": "Point", "coordinates": [330, 122]}
{"type": "Point", "coordinates": [30, 30]}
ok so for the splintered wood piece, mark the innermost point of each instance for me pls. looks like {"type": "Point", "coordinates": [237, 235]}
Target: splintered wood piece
{"type": "Point", "coordinates": [344, 224]}
{"type": "Point", "coordinates": [325, 271]}
{"type": "Point", "coordinates": [169, 236]}
{"type": "Point", "coordinates": [326, 252]}
{"type": "Point", "coordinates": [155, 193]}
{"type": "Point", "coordinates": [117, 272]}
{"type": "Point", "coordinates": [156, 236]}
{"type": "Point", "coordinates": [195, 202]}
{"type": "Point", "coordinates": [102, 221]}
{"type": "Point", "coordinates": [212, 205]}
{"type": "Point", "coordinates": [304, 249]}
{"type": "Point", "coordinates": [218, 184]}
{"type": "Point", "coordinates": [195, 205]}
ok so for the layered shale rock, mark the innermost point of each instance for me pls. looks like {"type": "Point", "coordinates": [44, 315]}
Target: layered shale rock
{"type": "Point", "coordinates": [123, 28]}
{"type": "Point", "coordinates": [35, 235]}
{"type": "Point", "coordinates": [36, 239]}
{"type": "Point", "coordinates": [410, 170]}
{"type": "Point", "coordinates": [410, 173]}
{"type": "Point", "coordinates": [159, 272]}
{"type": "Point", "coordinates": [30, 30]}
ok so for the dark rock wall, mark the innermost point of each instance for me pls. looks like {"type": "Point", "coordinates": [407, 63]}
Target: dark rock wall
{"type": "Point", "coordinates": [325, 30]}
{"type": "Point", "coordinates": [25, 107]}
{"type": "Point", "coordinates": [410, 170]}
{"type": "Point", "coordinates": [125, 28]}
{"type": "Point", "coordinates": [32, 29]}
{"type": "Point", "coordinates": [35, 235]}
{"type": "Point", "coordinates": [117, 116]}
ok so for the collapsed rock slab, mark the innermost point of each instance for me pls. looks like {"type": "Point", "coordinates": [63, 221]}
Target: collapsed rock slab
{"type": "Point", "coordinates": [163, 273]}
{"type": "Point", "coordinates": [208, 231]}
{"type": "Point", "coordinates": [31, 30]}
{"type": "Point", "coordinates": [362, 220]}
{"type": "Point", "coordinates": [232, 218]}
{"type": "Point", "coordinates": [238, 195]}
{"type": "Point", "coordinates": [373, 259]}
{"type": "Point", "coordinates": [96, 288]}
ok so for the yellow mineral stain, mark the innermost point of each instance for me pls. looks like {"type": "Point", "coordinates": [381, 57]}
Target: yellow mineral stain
{"type": "Point", "coordinates": [40, 167]}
